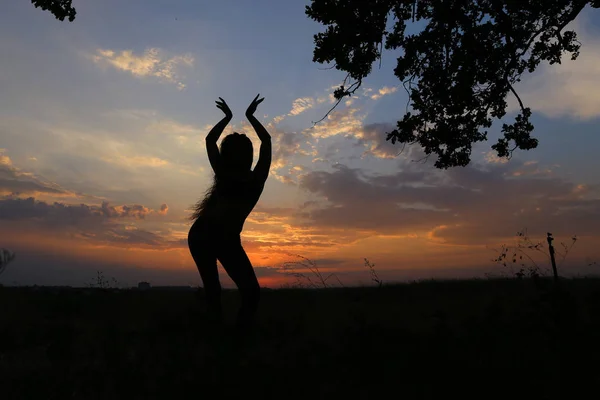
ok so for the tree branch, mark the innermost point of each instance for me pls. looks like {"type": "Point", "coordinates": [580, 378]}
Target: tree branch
{"type": "Point", "coordinates": [516, 95]}
{"type": "Point", "coordinates": [328, 112]}
{"type": "Point", "coordinates": [347, 92]}
{"type": "Point", "coordinates": [326, 68]}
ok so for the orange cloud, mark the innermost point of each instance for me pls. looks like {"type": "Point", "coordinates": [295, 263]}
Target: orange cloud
{"type": "Point", "coordinates": [164, 208]}
{"type": "Point", "coordinates": [153, 63]}
{"type": "Point", "coordinates": [302, 104]}
{"type": "Point", "coordinates": [383, 92]}
{"type": "Point", "coordinates": [18, 183]}
{"type": "Point", "coordinates": [137, 161]}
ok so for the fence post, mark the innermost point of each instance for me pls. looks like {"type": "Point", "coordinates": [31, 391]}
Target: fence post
{"type": "Point", "coordinates": [552, 259]}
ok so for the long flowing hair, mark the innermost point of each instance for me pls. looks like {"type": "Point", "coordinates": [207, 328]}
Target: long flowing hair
{"type": "Point", "coordinates": [236, 155]}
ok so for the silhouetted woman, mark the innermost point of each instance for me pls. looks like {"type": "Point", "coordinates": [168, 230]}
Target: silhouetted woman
{"type": "Point", "coordinates": [219, 217]}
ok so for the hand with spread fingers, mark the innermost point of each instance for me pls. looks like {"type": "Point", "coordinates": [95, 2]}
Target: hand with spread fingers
{"type": "Point", "coordinates": [221, 105]}
{"type": "Point", "coordinates": [252, 107]}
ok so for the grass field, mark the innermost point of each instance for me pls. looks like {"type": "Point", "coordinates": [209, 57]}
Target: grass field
{"type": "Point", "coordinates": [504, 338]}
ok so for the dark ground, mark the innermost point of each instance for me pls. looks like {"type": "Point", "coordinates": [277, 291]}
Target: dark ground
{"type": "Point", "coordinates": [438, 339]}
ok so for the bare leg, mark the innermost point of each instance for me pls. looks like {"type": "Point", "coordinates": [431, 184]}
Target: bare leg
{"type": "Point", "coordinates": [204, 255]}
{"type": "Point", "coordinates": [234, 259]}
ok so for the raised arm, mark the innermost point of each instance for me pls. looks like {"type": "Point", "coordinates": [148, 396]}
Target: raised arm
{"type": "Point", "coordinates": [211, 139]}
{"type": "Point", "coordinates": [264, 158]}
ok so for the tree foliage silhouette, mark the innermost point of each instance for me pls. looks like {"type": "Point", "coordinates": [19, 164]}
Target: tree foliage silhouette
{"type": "Point", "coordinates": [61, 9]}
{"type": "Point", "coordinates": [457, 71]}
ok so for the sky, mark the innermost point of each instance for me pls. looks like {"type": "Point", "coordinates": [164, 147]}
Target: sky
{"type": "Point", "coordinates": [102, 127]}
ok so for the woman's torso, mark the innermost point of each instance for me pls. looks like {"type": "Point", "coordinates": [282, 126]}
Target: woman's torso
{"type": "Point", "coordinates": [232, 202]}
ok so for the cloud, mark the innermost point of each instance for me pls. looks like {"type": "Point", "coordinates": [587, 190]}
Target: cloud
{"type": "Point", "coordinates": [329, 98]}
{"type": "Point", "coordinates": [171, 127]}
{"type": "Point", "coordinates": [164, 209]}
{"type": "Point", "coordinates": [343, 123]}
{"type": "Point", "coordinates": [278, 119]}
{"type": "Point", "coordinates": [13, 208]}
{"type": "Point", "coordinates": [286, 145]}
{"type": "Point", "coordinates": [151, 121]}
{"type": "Point", "coordinates": [464, 206]}
{"type": "Point", "coordinates": [383, 92]}
{"type": "Point", "coordinates": [15, 181]}
{"type": "Point", "coordinates": [4, 160]}
{"type": "Point", "coordinates": [366, 91]}
{"type": "Point", "coordinates": [373, 136]}
{"type": "Point", "coordinates": [491, 157]}
{"type": "Point", "coordinates": [302, 104]}
{"type": "Point", "coordinates": [109, 161]}
{"type": "Point", "coordinates": [137, 161]}
{"type": "Point", "coordinates": [15, 186]}
{"type": "Point", "coordinates": [153, 63]}
{"type": "Point", "coordinates": [346, 122]}
{"type": "Point", "coordinates": [98, 224]}
{"type": "Point", "coordinates": [278, 231]}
